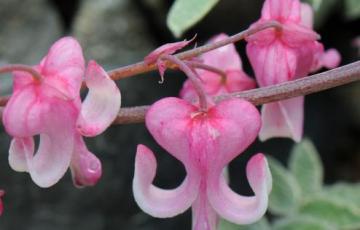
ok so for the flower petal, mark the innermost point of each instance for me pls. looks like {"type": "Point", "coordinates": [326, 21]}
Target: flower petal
{"type": "Point", "coordinates": [225, 57]}
{"type": "Point", "coordinates": [283, 119]}
{"type": "Point", "coordinates": [102, 103]}
{"type": "Point", "coordinates": [2, 193]}
{"type": "Point", "coordinates": [19, 147]}
{"type": "Point", "coordinates": [160, 202]}
{"type": "Point", "coordinates": [236, 208]}
{"type": "Point", "coordinates": [238, 81]}
{"type": "Point", "coordinates": [85, 167]}
{"type": "Point", "coordinates": [204, 216]}
{"type": "Point", "coordinates": [53, 157]}
{"type": "Point", "coordinates": [307, 15]}
{"type": "Point", "coordinates": [281, 10]}
{"type": "Point", "coordinates": [65, 63]}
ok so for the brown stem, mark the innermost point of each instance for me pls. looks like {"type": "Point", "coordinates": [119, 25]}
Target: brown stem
{"type": "Point", "coordinates": [193, 78]}
{"type": "Point", "coordinates": [142, 67]}
{"type": "Point", "coordinates": [18, 67]}
{"type": "Point", "coordinates": [311, 84]}
{"type": "Point", "coordinates": [198, 65]}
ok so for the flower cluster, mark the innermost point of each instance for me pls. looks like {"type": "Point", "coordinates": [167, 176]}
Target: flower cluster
{"type": "Point", "coordinates": [203, 135]}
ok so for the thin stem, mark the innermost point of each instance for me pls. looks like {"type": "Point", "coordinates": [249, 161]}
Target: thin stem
{"type": "Point", "coordinates": [304, 86]}
{"type": "Point", "coordinates": [18, 67]}
{"type": "Point", "coordinates": [142, 67]}
{"type": "Point", "coordinates": [198, 65]}
{"type": "Point", "coordinates": [192, 76]}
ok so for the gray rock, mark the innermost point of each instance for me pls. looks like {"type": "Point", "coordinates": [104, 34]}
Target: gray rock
{"type": "Point", "coordinates": [27, 29]}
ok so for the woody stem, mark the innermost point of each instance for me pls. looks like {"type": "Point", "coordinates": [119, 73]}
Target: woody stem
{"type": "Point", "coordinates": [24, 68]}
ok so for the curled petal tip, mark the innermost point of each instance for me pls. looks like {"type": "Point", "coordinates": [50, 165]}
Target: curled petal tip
{"type": "Point", "coordinates": [102, 103]}
{"type": "Point", "coordinates": [258, 172]}
{"type": "Point", "coordinates": [156, 201]}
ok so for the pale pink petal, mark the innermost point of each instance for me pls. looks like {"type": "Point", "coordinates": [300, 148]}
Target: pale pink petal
{"type": "Point", "coordinates": [307, 15]}
{"type": "Point", "coordinates": [168, 48]}
{"type": "Point", "coordinates": [160, 202]}
{"type": "Point", "coordinates": [242, 209]}
{"type": "Point", "coordinates": [224, 58]}
{"type": "Point", "coordinates": [203, 215]}
{"type": "Point", "coordinates": [19, 147]}
{"type": "Point", "coordinates": [85, 167]}
{"type": "Point", "coordinates": [283, 119]}
{"type": "Point", "coordinates": [101, 105]}
{"type": "Point", "coordinates": [295, 35]}
{"type": "Point", "coordinates": [65, 63]}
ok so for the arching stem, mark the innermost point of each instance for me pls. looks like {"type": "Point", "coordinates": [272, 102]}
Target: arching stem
{"type": "Point", "coordinates": [24, 68]}
{"type": "Point", "coordinates": [193, 77]}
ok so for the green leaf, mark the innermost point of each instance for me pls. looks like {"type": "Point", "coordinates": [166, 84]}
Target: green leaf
{"type": "Point", "coordinates": [285, 195]}
{"type": "Point", "coordinates": [306, 166]}
{"type": "Point", "coordinates": [345, 192]}
{"type": "Point", "coordinates": [262, 224]}
{"type": "Point", "coordinates": [352, 9]}
{"type": "Point", "coordinates": [332, 211]}
{"type": "Point", "coordinates": [184, 14]}
{"type": "Point", "coordinates": [302, 223]}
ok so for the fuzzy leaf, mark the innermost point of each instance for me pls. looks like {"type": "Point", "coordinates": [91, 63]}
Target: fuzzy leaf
{"type": "Point", "coordinates": [332, 211]}
{"type": "Point", "coordinates": [352, 9]}
{"type": "Point", "coordinates": [184, 14]}
{"type": "Point", "coordinates": [344, 192]}
{"type": "Point", "coordinates": [306, 166]}
{"type": "Point", "coordinates": [302, 223]}
{"type": "Point", "coordinates": [285, 194]}
{"type": "Point", "coordinates": [262, 224]}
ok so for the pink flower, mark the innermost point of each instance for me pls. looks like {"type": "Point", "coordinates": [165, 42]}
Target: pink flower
{"type": "Point", "coordinates": [227, 60]}
{"type": "Point", "coordinates": [205, 142]}
{"type": "Point", "coordinates": [279, 55]}
{"type": "Point", "coordinates": [51, 108]}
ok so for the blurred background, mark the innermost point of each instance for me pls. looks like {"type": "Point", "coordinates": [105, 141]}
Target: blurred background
{"type": "Point", "coordinates": [120, 32]}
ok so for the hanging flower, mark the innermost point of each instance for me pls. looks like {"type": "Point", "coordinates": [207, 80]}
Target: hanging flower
{"type": "Point", "coordinates": [205, 138]}
{"type": "Point", "coordinates": [280, 55]}
{"type": "Point", "coordinates": [51, 108]}
{"type": "Point", "coordinates": [227, 60]}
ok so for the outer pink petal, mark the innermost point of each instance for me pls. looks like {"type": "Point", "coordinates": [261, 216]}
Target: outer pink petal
{"type": "Point", "coordinates": [102, 103]}
{"type": "Point", "coordinates": [242, 209]}
{"type": "Point", "coordinates": [168, 120]}
{"type": "Point", "coordinates": [272, 64]}
{"type": "Point", "coordinates": [238, 81]}
{"type": "Point", "coordinates": [282, 10]}
{"type": "Point", "coordinates": [85, 167]}
{"type": "Point", "coordinates": [224, 58]}
{"type": "Point", "coordinates": [330, 59]}
{"type": "Point", "coordinates": [64, 65]}
{"type": "Point", "coordinates": [21, 116]}
{"type": "Point", "coordinates": [283, 119]}
{"type": "Point", "coordinates": [159, 202]}
{"type": "Point", "coordinates": [53, 157]}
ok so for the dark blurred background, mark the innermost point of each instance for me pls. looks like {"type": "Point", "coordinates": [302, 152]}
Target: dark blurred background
{"type": "Point", "coordinates": [121, 32]}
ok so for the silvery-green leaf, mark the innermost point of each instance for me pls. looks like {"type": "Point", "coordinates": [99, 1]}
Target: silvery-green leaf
{"type": "Point", "coordinates": [335, 212]}
{"type": "Point", "coordinates": [348, 193]}
{"type": "Point", "coordinates": [184, 14]}
{"type": "Point", "coordinates": [285, 195]}
{"type": "Point", "coordinates": [306, 166]}
{"type": "Point", "coordinates": [302, 223]}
